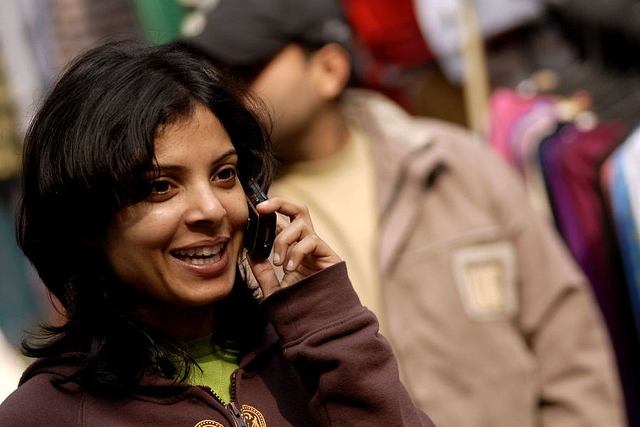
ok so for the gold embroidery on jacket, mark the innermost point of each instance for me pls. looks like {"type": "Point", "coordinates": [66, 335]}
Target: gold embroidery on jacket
{"type": "Point", "coordinates": [208, 423]}
{"type": "Point", "coordinates": [252, 417]}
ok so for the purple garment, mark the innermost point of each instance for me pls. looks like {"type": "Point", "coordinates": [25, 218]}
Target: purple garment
{"type": "Point", "coordinates": [572, 165]}
{"type": "Point", "coordinates": [570, 161]}
{"type": "Point", "coordinates": [580, 160]}
{"type": "Point", "coordinates": [556, 181]}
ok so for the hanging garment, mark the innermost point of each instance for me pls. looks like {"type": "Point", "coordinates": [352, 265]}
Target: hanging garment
{"type": "Point", "coordinates": [562, 165]}
{"type": "Point", "coordinates": [389, 30]}
{"type": "Point", "coordinates": [160, 21]}
{"type": "Point", "coordinates": [627, 235]}
{"type": "Point", "coordinates": [557, 187]}
{"type": "Point", "coordinates": [624, 331]}
{"type": "Point", "coordinates": [10, 147]}
{"type": "Point", "coordinates": [389, 45]}
{"type": "Point", "coordinates": [580, 160]}
{"type": "Point", "coordinates": [25, 41]}
{"type": "Point", "coordinates": [571, 170]}
{"type": "Point", "coordinates": [506, 108]}
{"type": "Point", "coordinates": [571, 164]}
{"type": "Point", "coordinates": [626, 225]}
{"type": "Point", "coordinates": [516, 125]}
{"type": "Point", "coordinates": [630, 160]}
{"type": "Point", "coordinates": [81, 24]}
{"type": "Point", "coordinates": [439, 22]}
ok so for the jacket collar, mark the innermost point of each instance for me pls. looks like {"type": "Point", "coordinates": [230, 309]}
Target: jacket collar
{"type": "Point", "coordinates": [153, 386]}
{"type": "Point", "coordinates": [397, 138]}
{"type": "Point", "coordinates": [407, 156]}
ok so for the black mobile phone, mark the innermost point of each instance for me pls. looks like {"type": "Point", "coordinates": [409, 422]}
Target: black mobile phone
{"type": "Point", "coordinates": [261, 228]}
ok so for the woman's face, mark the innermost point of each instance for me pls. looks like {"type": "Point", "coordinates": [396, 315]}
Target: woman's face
{"type": "Point", "coordinates": [181, 245]}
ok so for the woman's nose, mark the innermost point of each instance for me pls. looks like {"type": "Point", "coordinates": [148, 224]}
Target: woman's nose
{"type": "Point", "coordinates": [204, 206]}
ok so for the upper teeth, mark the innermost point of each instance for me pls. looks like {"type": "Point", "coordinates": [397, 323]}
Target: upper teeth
{"type": "Point", "coordinates": [201, 251]}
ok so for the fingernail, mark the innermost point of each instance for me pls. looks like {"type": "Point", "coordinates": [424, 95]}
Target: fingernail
{"type": "Point", "coordinates": [290, 265]}
{"type": "Point", "coordinates": [276, 258]}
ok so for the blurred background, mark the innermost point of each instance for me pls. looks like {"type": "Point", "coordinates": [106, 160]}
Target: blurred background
{"type": "Point", "coordinates": [552, 85]}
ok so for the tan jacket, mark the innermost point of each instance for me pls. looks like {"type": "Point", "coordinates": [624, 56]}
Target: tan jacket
{"type": "Point", "coordinates": [491, 320]}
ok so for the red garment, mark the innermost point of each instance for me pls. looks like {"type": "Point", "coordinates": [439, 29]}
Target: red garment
{"type": "Point", "coordinates": [389, 30]}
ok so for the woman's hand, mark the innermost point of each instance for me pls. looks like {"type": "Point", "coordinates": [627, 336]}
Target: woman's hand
{"type": "Point", "coordinates": [297, 248]}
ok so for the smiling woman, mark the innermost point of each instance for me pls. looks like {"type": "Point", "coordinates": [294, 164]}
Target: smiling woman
{"type": "Point", "coordinates": [134, 214]}
{"type": "Point", "coordinates": [181, 245]}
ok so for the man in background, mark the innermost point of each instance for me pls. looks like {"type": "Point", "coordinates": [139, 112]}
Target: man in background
{"type": "Point", "coordinates": [492, 322]}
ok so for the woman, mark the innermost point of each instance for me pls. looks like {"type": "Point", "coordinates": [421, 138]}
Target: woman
{"type": "Point", "coordinates": [134, 215]}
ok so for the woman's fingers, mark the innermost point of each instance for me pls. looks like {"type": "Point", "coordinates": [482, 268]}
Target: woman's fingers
{"type": "Point", "coordinates": [265, 276]}
{"type": "Point", "coordinates": [297, 248]}
{"type": "Point", "coordinates": [285, 207]}
{"type": "Point", "coordinates": [289, 233]}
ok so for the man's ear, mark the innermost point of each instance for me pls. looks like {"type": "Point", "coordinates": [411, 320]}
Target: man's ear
{"type": "Point", "coordinates": [332, 65]}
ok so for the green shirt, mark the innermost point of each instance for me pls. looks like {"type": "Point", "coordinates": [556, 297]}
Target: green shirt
{"type": "Point", "coordinates": [217, 365]}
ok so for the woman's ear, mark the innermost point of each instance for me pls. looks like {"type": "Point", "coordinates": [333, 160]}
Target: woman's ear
{"type": "Point", "coordinates": [332, 67]}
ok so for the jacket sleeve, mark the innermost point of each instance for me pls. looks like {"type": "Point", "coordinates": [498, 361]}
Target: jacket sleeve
{"type": "Point", "coordinates": [560, 319]}
{"type": "Point", "coordinates": [38, 403]}
{"type": "Point", "coordinates": [334, 343]}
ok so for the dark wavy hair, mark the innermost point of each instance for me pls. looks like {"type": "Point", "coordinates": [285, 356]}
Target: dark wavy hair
{"type": "Point", "coordinates": [87, 154]}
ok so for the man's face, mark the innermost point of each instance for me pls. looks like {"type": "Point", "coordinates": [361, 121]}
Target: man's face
{"type": "Point", "coordinates": [286, 85]}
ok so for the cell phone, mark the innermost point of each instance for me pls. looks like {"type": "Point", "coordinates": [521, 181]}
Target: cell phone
{"type": "Point", "coordinates": [261, 228]}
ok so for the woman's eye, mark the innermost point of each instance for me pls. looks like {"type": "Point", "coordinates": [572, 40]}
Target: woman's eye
{"type": "Point", "coordinates": [160, 187]}
{"type": "Point", "coordinates": [226, 174]}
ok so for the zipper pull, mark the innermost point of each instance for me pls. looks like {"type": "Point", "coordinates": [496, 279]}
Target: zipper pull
{"type": "Point", "coordinates": [233, 408]}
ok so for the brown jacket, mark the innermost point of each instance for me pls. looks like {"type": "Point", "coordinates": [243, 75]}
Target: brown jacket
{"type": "Point", "coordinates": [322, 363]}
{"type": "Point", "coordinates": [491, 320]}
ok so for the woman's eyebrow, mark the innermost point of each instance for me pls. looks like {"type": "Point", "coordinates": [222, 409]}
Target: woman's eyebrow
{"type": "Point", "coordinates": [224, 156]}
